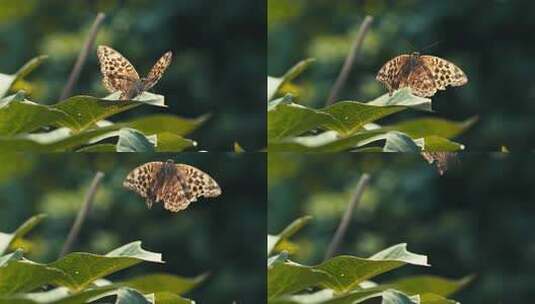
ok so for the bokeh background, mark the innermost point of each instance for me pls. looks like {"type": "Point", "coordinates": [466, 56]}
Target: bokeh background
{"type": "Point", "coordinates": [488, 40]}
{"type": "Point", "coordinates": [218, 66]}
{"type": "Point", "coordinates": [477, 219]}
{"type": "Point", "coordinates": [223, 236]}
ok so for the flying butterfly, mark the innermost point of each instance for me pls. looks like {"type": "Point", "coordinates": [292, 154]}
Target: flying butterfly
{"type": "Point", "coordinates": [176, 185]}
{"type": "Point", "coordinates": [424, 74]}
{"type": "Point", "coordinates": [118, 74]}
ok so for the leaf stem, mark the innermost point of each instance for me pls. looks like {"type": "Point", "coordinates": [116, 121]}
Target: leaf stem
{"type": "Point", "coordinates": [82, 214]}
{"type": "Point", "coordinates": [346, 219]}
{"type": "Point", "coordinates": [82, 56]}
{"type": "Point", "coordinates": [350, 60]}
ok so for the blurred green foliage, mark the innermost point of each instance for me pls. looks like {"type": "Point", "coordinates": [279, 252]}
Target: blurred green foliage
{"type": "Point", "coordinates": [488, 40]}
{"type": "Point", "coordinates": [218, 66]}
{"type": "Point", "coordinates": [224, 237]}
{"type": "Point", "coordinates": [476, 219]}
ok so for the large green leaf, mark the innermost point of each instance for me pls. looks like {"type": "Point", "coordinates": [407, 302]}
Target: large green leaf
{"type": "Point", "coordinates": [60, 295]}
{"type": "Point", "coordinates": [7, 239]}
{"type": "Point", "coordinates": [83, 268]}
{"type": "Point", "coordinates": [291, 119]}
{"type": "Point", "coordinates": [289, 231]}
{"type": "Point", "coordinates": [341, 273]}
{"type": "Point", "coordinates": [351, 116]}
{"type": "Point", "coordinates": [161, 123]}
{"type": "Point", "coordinates": [422, 127]}
{"type": "Point", "coordinates": [399, 142]}
{"type": "Point", "coordinates": [162, 282]}
{"type": "Point", "coordinates": [85, 111]}
{"type": "Point", "coordinates": [274, 84]}
{"type": "Point", "coordinates": [170, 142]}
{"type": "Point", "coordinates": [23, 276]}
{"type": "Point", "coordinates": [131, 140]}
{"type": "Point", "coordinates": [429, 284]}
{"type": "Point", "coordinates": [18, 115]}
{"type": "Point", "coordinates": [171, 298]}
{"type": "Point", "coordinates": [130, 296]}
{"type": "Point", "coordinates": [7, 81]}
{"type": "Point", "coordinates": [59, 140]}
{"type": "Point", "coordinates": [346, 117]}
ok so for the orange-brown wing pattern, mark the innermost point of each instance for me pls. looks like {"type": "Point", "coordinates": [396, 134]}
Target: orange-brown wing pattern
{"type": "Point", "coordinates": [390, 72]}
{"type": "Point", "coordinates": [199, 183]}
{"type": "Point", "coordinates": [118, 74]}
{"type": "Point", "coordinates": [173, 194]}
{"type": "Point", "coordinates": [444, 72]}
{"type": "Point", "coordinates": [157, 70]}
{"type": "Point", "coordinates": [141, 179]}
{"type": "Point", "coordinates": [421, 82]}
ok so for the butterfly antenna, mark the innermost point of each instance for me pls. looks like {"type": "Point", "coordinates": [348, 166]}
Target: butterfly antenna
{"type": "Point", "coordinates": [430, 45]}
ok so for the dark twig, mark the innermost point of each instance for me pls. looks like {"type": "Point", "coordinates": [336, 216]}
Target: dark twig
{"type": "Point", "coordinates": [82, 214]}
{"type": "Point", "coordinates": [82, 57]}
{"type": "Point", "coordinates": [346, 219]}
{"type": "Point", "coordinates": [350, 60]}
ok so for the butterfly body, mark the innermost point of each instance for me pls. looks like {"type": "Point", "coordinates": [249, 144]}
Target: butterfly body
{"type": "Point", "coordinates": [424, 74]}
{"type": "Point", "coordinates": [176, 185]}
{"type": "Point", "coordinates": [119, 75]}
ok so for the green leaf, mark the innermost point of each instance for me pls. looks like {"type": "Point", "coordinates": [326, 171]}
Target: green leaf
{"type": "Point", "coordinates": [161, 282]}
{"type": "Point", "coordinates": [396, 297]}
{"type": "Point", "coordinates": [14, 256]}
{"type": "Point", "coordinates": [290, 119]}
{"type": "Point", "coordinates": [131, 140]}
{"type": "Point", "coordinates": [289, 231]}
{"type": "Point", "coordinates": [169, 142]}
{"type": "Point", "coordinates": [60, 295]}
{"type": "Point", "coordinates": [171, 298]}
{"type": "Point", "coordinates": [23, 276]}
{"type": "Point", "coordinates": [440, 144]}
{"type": "Point", "coordinates": [435, 299]}
{"type": "Point", "coordinates": [7, 81]}
{"type": "Point", "coordinates": [429, 284]}
{"type": "Point", "coordinates": [83, 268]}
{"type": "Point", "coordinates": [130, 296]}
{"type": "Point", "coordinates": [341, 273]}
{"type": "Point", "coordinates": [99, 148]}
{"type": "Point", "coordinates": [85, 111]}
{"type": "Point", "coordinates": [399, 142]}
{"type": "Point", "coordinates": [167, 123]}
{"type": "Point", "coordinates": [351, 116]}
{"type": "Point", "coordinates": [423, 127]}
{"type": "Point", "coordinates": [7, 239]}
{"type": "Point", "coordinates": [18, 115]}
{"type": "Point", "coordinates": [275, 84]}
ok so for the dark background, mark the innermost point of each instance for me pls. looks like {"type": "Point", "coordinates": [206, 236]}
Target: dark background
{"type": "Point", "coordinates": [489, 40]}
{"type": "Point", "coordinates": [477, 219]}
{"type": "Point", "coordinates": [218, 66]}
{"type": "Point", "coordinates": [223, 236]}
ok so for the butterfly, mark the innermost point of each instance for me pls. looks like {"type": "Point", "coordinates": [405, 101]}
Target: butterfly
{"type": "Point", "coordinates": [441, 160]}
{"type": "Point", "coordinates": [424, 74]}
{"type": "Point", "coordinates": [176, 185]}
{"type": "Point", "coordinates": [118, 74]}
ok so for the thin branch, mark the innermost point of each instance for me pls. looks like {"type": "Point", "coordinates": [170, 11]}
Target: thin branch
{"type": "Point", "coordinates": [82, 214]}
{"type": "Point", "coordinates": [346, 219]}
{"type": "Point", "coordinates": [82, 57]}
{"type": "Point", "coordinates": [350, 60]}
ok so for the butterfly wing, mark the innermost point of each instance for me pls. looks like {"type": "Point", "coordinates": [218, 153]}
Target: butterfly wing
{"type": "Point", "coordinates": [444, 72]}
{"type": "Point", "coordinates": [173, 194]}
{"type": "Point", "coordinates": [186, 187]}
{"type": "Point", "coordinates": [421, 81]}
{"type": "Point", "coordinates": [157, 70]}
{"type": "Point", "coordinates": [118, 74]}
{"type": "Point", "coordinates": [141, 179]}
{"type": "Point", "coordinates": [390, 73]}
